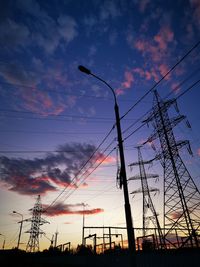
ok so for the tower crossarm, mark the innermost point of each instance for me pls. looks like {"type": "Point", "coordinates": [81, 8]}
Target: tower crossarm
{"type": "Point", "coordinates": [148, 176]}
{"type": "Point", "coordinates": [164, 105]}
{"type": "Point", "coordinates": [182, 143]}
{"type": "Point", "coordinates": [138, 163]}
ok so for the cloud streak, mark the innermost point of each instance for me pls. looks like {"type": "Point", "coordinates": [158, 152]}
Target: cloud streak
{"type": "Point", "coordinates": [70, 209]}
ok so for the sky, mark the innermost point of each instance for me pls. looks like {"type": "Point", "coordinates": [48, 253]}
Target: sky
{"type": "Point", "coordinates": [57, 136]}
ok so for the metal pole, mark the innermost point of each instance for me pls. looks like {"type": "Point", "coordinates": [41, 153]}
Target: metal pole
{"type": "Point", "coordinates": [129, 223]}
{"type": "Point", "coordinates": [83, 224]}
{"type": "Point", "coordinates": [20, 229]}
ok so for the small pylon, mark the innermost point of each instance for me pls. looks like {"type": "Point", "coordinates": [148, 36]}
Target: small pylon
{"type": "Point", "coordinates": [147, 200]}
{"type": "Point", "coordinates": [36, 222]}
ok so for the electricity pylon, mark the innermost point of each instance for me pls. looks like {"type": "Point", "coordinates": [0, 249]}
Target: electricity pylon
{"type": "Point", "coordinates": [181, 195]}
{"type": "Point", "coordinates": [36, 222]}
{"type": "Point", "coordinates": [147, 200]}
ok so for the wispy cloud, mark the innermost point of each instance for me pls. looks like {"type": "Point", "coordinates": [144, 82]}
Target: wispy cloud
{"type": "Point", "coordinates": [13, 34]}
{"type": "Point", "coordinates": [70, 209]}
{"type": "Point", "coordinates": [109, 10]}
{"type": "Point", "coordinates": [41, 29]}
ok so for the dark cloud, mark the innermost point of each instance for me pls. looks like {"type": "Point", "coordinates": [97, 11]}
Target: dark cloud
{"type": "Point", "coordinates": [41, 175]}
{"type": "Point", "coordinates": [70, 209]}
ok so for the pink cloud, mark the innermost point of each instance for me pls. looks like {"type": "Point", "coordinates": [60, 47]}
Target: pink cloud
{"type": "Point", "coordinates": [147, 74]}
{"type": "Point", "coordinates": [157, 47]}
{"type": "Point", "coordinates": [126, 84]}
{"type": "Point", "coordinates": [119, 91]}
{"type": "Point", "coordinates": [164, 37]}
{"type": "Point", "coordinates": [198, 152]}
{"type": "Point", "coordinates": [163, 68]}
{"type": "Point", "coordinates": [128, 79]}
{"type": "Point", "coordinates": [108, 160]}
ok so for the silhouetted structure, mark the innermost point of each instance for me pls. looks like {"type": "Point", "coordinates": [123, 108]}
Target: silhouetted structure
{"type": "Point", "coordinates": [149, 213]}
{"type": "Point", "coordinates": [36, 222]}
{"type": "Point", "coordinates": [181, 195]}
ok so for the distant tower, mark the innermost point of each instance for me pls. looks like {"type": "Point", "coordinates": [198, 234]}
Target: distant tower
{"type": "Point", "coordinates": [181, 196]}
{"type": "Point", "coordinates": [149, 212]}
{"type": "Point", "coordinates": [36, 222]}
{"type": "Point", "coordinates": [56, 238]}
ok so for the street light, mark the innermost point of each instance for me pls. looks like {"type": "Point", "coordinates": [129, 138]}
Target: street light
{"type": "Point", "coordinates": [129, 223]}
{"type": "Point", "coordinates": [83, 229]}
{"type": "Point", "coordinates": [20, 229]}
{"type": "Point", "coordinates": [4, 241]}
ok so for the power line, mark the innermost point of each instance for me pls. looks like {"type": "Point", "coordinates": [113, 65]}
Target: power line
{"type": "Point", "coordinates": [91, 120]}
{"type": "Point", "coordinates": [83, 166]}
{"type": "Point", "coordinates": [182, 94]}
{"type": "Point", "coordinates": [86, 171]}
{"type": "Point", "coordinates": [163, 77]}
{"type": "Point", "coordinates": [83, 180]}
{"type": "Point", "coordinates": [48, 132]}
{"type": "Point", "coordinates": [71, 151]}
{"type": "Point", "coordinates": [63, 93]}
{"type": "Point", "coordinates": [55, 115]}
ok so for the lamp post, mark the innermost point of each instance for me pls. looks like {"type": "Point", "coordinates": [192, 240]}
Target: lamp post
{"type": "Point", "coordinates": [83, 224]}
{"type": "Point", "coordinates": [129, 223]}
{"type": "Point", "coordinates": [4, 241]}
{"type": "Point", "coordinates": [20, 229]}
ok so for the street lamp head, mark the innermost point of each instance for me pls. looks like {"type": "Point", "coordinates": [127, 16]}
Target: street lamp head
{"type": "Point", "coordinates": [84, 69]}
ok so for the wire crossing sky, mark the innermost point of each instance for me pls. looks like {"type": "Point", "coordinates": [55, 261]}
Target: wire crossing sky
{"type": "Point", "coordinates": [57, 125]}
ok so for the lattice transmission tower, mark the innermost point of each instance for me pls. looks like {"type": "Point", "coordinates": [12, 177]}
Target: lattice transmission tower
{"type": "Point", "coordinates": [149, 213]}
{"type": "Point", "coordinates": [181, 195]}
{"type": "Point", "coordinates": [36, 222]}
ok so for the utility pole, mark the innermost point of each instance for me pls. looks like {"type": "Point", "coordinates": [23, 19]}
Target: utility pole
{"type": "Point", "coordinates": [181, 195]}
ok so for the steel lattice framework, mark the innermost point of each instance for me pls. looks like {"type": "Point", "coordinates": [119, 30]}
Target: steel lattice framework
{"type": "Point", "coordinates": [181, 195]}
{"type": "Point", "coordinates": [36, 222]}
{"type": "Point", "coordinates": [147, 200]}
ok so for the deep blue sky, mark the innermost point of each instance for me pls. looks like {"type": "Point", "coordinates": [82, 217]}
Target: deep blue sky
{"type": "Point", "coordinates": [46, 104]}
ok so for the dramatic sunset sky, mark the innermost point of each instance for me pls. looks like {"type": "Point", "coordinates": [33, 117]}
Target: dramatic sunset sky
{"type": "Point", "coordinates": [53, 117]}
